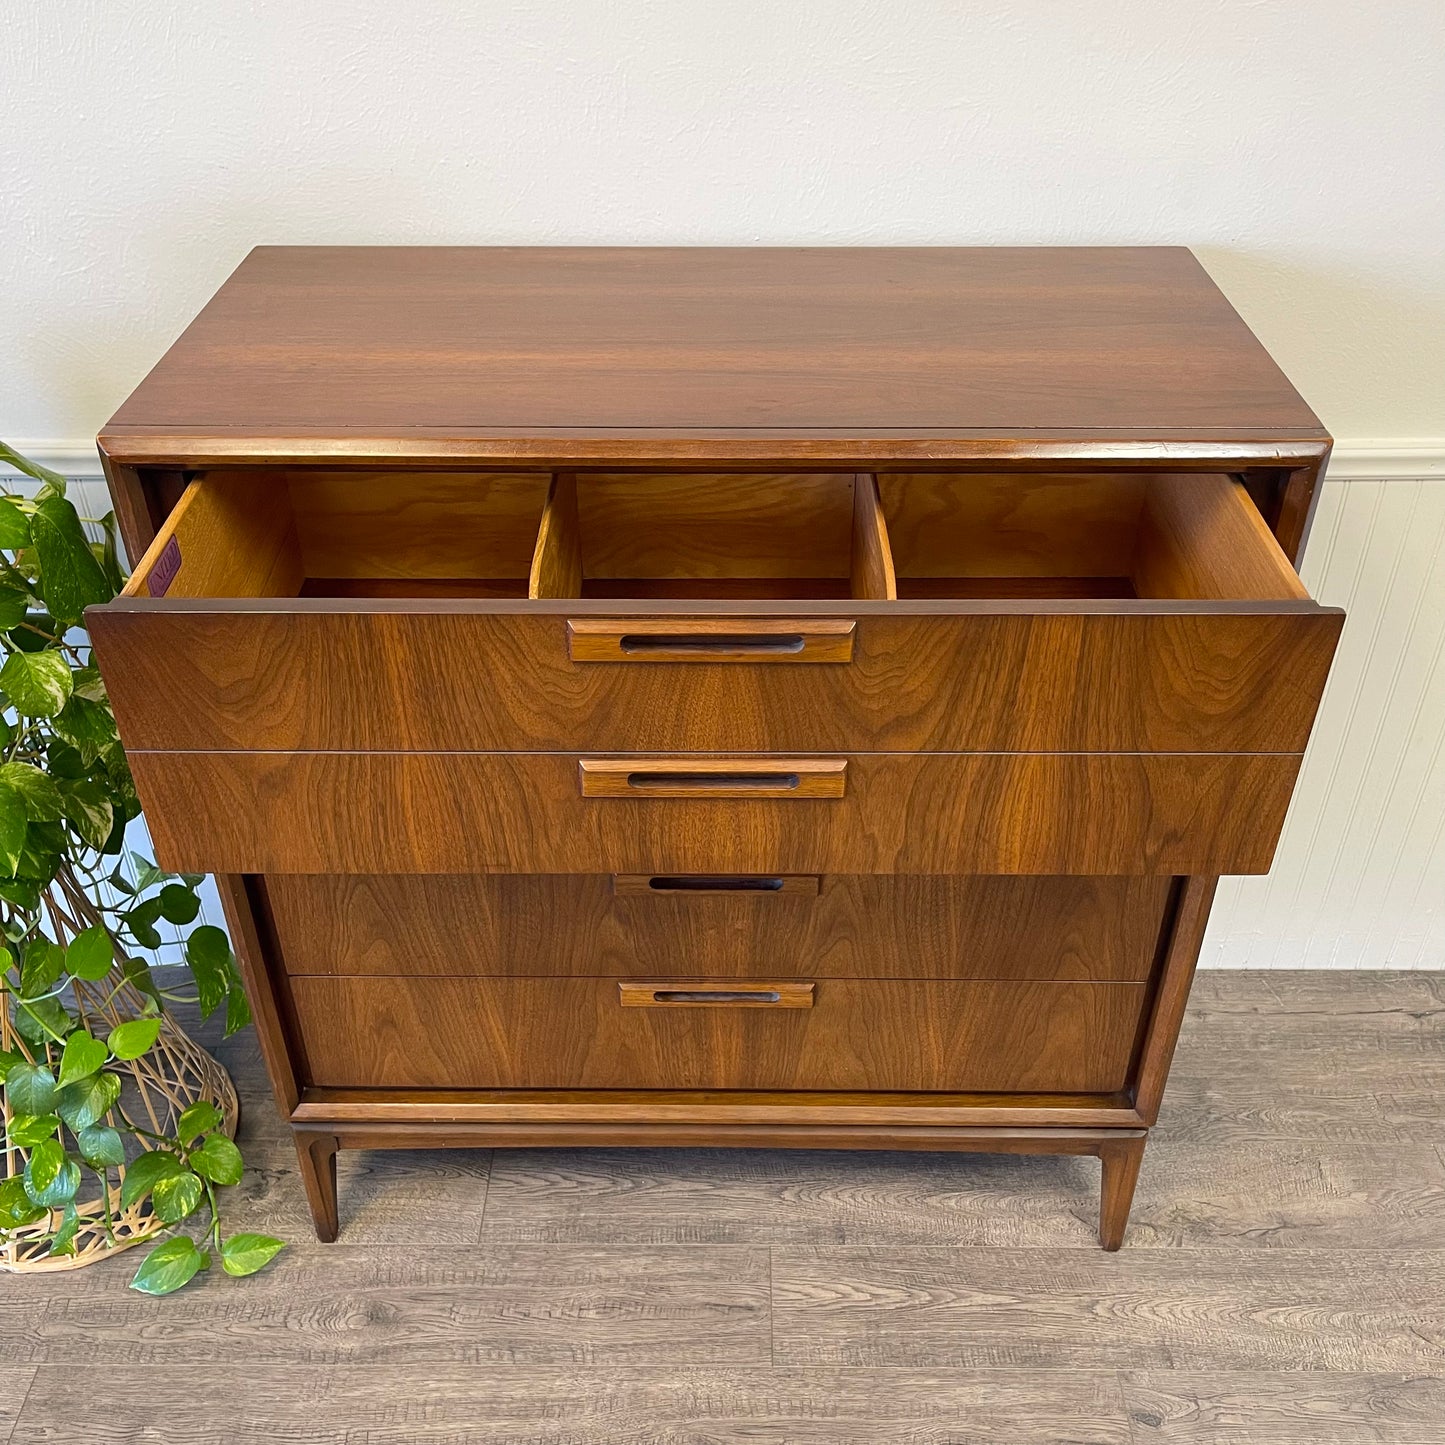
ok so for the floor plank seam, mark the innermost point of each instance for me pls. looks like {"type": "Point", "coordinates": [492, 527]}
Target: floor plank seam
{"type": "Point", "coordinates": [486, 1196]}
{"type": "Point", "coordinates": [24, 1401]}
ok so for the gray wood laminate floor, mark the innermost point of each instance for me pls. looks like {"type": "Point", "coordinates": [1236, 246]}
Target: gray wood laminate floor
{"type": "Point", "coordinates": [1283, 1280]}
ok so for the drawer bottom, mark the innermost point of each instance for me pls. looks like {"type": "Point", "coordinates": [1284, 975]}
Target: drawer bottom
{"type": "Point", "coordinates": [594, 1033]}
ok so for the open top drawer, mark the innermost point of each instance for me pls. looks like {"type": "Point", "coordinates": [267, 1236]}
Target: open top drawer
{"type": "Point", "coordinates": [328, 610]}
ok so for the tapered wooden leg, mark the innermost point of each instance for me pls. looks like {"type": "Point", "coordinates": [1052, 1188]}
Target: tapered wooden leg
{"type": "Point", "coordinates": [1121, 1159]}
{"type": "Point", "coordinates": [317, 1155]}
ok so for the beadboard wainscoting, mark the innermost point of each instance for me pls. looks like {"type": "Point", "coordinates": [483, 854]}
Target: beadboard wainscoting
{"type": "Point", "coordinates": [1359, 878]}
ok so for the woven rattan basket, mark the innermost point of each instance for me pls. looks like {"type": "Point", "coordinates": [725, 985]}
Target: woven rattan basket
{"type": "Point", "coordinates": [176, 1072]}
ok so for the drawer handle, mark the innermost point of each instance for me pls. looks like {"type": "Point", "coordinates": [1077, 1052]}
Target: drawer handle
{"type": "Point", "coordinates": [730, 783]}
{"type": "Point", "coordinates": [713, 778]}
{"type": "Point", "coordinates": [726, 642]}
{"type": "Point", "coordinates": [702, 885]}
{"type": "Point", "coordinates": [716, 885]}
{"type": "Point", "coordinates": [720, 639]}
{"type": "Point", "coordinates": [715, 995]}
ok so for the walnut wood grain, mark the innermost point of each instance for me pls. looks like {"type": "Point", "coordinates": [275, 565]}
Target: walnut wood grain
{"type": "Point", "coordinates": [378, 1032]}
{"type": "Point", "coordinates": [482, 341]}
{"type": "Point", "coordinates": [861, 926]}
{"type": "Point", "coordinates": [903, 813]}
{"type": "Point", "coordinates": [1206, 677]}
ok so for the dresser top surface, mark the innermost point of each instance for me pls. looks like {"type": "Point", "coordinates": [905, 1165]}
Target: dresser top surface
{"type": "Point", "coordinates": [328, 350]}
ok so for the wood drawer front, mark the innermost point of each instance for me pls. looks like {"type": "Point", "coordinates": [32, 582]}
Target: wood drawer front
{"type": "Point", "coordinates": [860, 926]}
{"type": "Point", "coordinates": [1110, 676]}
{"type": "Point", "coordinates": [461, 1033]}
{"type": "Point", "coordinates": [901, 813]}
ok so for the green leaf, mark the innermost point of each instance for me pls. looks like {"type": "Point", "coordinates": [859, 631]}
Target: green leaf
{"type": "Point", "coordinates": [63, 1241]}
{"type": "Point", "coordinates": [87, 807]}
{"type": "Point", "coordinates": [28, 1130]}
{"type": "Point", "coordinates": [137, 971]}
{"type": "Point", "coordinates": [14, 527]}
{"type": "Point", "coordinates": [40, 857]}
{"type": "Point", "coordinates": [9, 1059]}
{"type": "Point", "coordinates": [209, 954]}
{"type": "Point", "coordinates": [71, 577]}
{"type": "Point", "coordinates": [169, 1265]}
{"type": "Point", "coordinates": [244, 1254]}
{"type": "Point", "coordinates": [90, 685]}
{"type": "Point", "coordinates": [178, 903]}
{"type": "Point", "coordinates": [24, 893]}
{"type": "Point", "coordinates": [31, 469]}
{"type": "Point", "coordinates": [38, 683]}
{"type": "Point", "coordinates": [176, 1197]}
{"type": "Point", "coordinates": [37, 789]}
{"type": "Point", "coordinates": [41, 1021]}
{"type": "Point", "coordinates": [197, 1119]}
{"type": "Point", "coordinates": [141, 920]}
{"type": "Point", "coordinates": [51, 1176]}
{"type": "Point", "coordinates": [146, 872]}
{"type": "Point", "coordinates": [15, 603]}
{"type": "Point", "coordinates": [82, 1056]}
{"type": "Point", "coordinates": [110, 553]}
{"type": "Point", "coordinates": [218, 1159]}
{"type": "Point", "coordinates": [42, 965]}
{"type": "Point", "coordinates": [238, 1008]}
{"type": "Point", "coordinates": [90, 954]}
{"type": "Point", "coordinates": [132, 1039]}
{"type": "Point", "coordinates": [62, 760]}
{"type": "Point", "coordinates": [100, 1146]}
{"type": "Point", "coordinates": [30, 1089]}
{"type": "Point", "coordinates": [16, 1206]}
{"type": "Point", "coordinates": [12, 829]}
{"type": "Point", "coordinates": [37, 633]}
{"type": "Point", "coordinates": [144, 1172]}
{"type": "Point", "coordinates": [88, 1100]}
{"type": "Point", "coordinates": [89, 725]}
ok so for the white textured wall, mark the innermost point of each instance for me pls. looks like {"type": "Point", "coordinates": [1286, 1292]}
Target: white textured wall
{"type": "Point", "coordinates": [1298, 146]}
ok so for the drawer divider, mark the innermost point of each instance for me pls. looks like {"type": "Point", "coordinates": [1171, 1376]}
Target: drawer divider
{"type": "Point", "coordinates": [872, 553]}
{"type": "Point", "coordinates": [557, 558]}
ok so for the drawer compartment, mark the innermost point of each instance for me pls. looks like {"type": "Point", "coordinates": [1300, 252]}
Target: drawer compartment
{"type": "Point", "coordinates": [1045, 813]}
{"type": "Point", "coordinates": [475, 1033]}
{"type": "Point", "coordinates": [336, 611]}
{"type": "Point", "coordinates": [650, 926]}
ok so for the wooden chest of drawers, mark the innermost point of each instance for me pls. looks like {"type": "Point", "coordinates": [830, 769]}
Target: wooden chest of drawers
{"type": "Point", "coordinates": [776, 698]}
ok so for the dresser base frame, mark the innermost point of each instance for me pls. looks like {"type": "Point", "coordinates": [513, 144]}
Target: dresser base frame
{"type": "Point", "coordinates": [1120, 1151]}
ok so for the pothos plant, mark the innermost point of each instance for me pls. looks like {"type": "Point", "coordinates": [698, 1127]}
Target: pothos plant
{"type": "Point", "coordinates": [79, 916]}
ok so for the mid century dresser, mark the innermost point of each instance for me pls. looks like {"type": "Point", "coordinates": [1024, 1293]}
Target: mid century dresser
{"type": "Point", "coordinates": [783, 698]}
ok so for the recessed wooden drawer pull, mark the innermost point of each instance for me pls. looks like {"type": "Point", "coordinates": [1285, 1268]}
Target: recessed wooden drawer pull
{"type": "Point", "coordinates": [719, 995]}
{"type": "Point", "coordinates": [713, 778]}
{"type": "Point", "coordinates": [703, 885]}
{"type": "Point", "coordinates": [721, 639]}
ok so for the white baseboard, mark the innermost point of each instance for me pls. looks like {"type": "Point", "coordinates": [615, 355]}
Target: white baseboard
{"type": "Point", "coordinates": [1357, 459]}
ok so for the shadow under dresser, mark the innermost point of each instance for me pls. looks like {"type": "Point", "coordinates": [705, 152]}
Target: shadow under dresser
{"type": "Point", "coordinates": [781, 698]}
